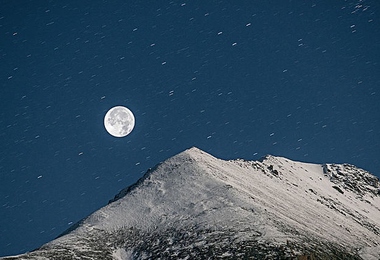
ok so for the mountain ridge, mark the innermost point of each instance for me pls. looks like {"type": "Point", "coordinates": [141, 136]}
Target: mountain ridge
{"type": "Point", "coordinates": [195, 205]}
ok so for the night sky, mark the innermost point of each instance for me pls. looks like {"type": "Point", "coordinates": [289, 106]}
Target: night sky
{"type": "Point", "coordinates": [238, 79]}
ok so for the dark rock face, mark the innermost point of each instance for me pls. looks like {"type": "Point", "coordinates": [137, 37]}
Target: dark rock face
{"type": "Point", "coordinates": [352, 178]}
{"type": "Point", "coordinates": [187, 244]}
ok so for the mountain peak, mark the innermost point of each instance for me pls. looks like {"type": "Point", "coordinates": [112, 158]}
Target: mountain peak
{"type": "Point", "coordinates": [195, 153]}
{"type": "Point", "coordinates": [192, 154]}
{"type": "Point", "coordinates": [198, 206]}
{"type": "Point", "coordinates": [194, 150]}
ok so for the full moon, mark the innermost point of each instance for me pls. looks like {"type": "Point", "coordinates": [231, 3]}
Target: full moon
{"type": "Point", "coordinates": [119, 121]}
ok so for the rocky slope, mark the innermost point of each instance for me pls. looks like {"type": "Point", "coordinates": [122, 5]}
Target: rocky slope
{"type": "Point", "coordinates": [195, 206]}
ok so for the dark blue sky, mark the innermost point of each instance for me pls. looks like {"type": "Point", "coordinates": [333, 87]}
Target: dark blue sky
{"type": "Point", "coordinates": [238, 79]}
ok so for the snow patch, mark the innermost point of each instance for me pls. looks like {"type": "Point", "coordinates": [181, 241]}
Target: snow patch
{"type": "Point", "coordinates": [370, 253]}
{"type": "Point", "coordinates": [121, 254]}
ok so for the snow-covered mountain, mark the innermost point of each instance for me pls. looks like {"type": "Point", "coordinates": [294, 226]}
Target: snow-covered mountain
{"type": "Point", "coordinates": [195, 206]}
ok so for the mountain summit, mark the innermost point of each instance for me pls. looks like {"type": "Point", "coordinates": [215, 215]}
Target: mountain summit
{"type": "Point", "coordinates": [195, 206]}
